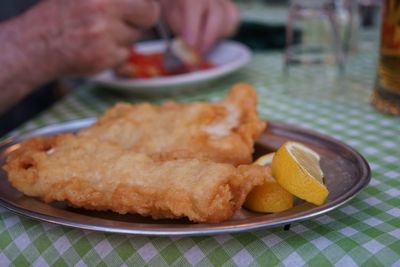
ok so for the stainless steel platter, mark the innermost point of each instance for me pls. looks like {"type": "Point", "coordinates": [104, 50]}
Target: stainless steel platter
{"type": "Point", "coordinates": [346, 174]}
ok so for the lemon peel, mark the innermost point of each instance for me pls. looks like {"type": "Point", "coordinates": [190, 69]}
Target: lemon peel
{"type": "Point", "coordinates": [296, 168]}
{"type": "Point", "coordinates": [270, 196]}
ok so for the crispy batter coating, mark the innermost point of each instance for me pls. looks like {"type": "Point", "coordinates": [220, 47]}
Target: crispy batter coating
{"type": "Point", "coordinates": [223, 132]}
{"type": "Point", "coordinates": [170, 161]}
{"type": "Point", "coordinates": [98, 175]}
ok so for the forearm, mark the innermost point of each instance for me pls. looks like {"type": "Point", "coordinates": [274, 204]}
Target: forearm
{"type": "Point", "coordinates": [67, 37]}
{"type": "Point", "coordinates": [25, 60]}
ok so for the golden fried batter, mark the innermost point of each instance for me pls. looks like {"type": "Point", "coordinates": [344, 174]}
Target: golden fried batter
{"type": "Point", "coordinates": [222, 132]}
{"type": "Point", "coordinates": [93, 174]}
{"type": "Point", "coordinates": [171, 161]}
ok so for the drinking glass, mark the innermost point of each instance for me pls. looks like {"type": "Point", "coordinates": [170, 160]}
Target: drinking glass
{"type": "Point", "coordinates": [322, 34]}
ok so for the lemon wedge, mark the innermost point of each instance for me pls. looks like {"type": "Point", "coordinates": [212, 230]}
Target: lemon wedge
{"type": "Point", "coordinates": [265, 160]}
{"type": "Point", "coordinates": [296, 168]}
{"type": "Point", "coordinates": [270, 196]}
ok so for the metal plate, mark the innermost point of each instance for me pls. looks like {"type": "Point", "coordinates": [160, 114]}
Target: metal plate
{"type": "Point", "coordinates": [346, 173]}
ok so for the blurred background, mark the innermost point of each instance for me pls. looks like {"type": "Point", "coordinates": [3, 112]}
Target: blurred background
{"type": "Point", "coordinates": [309, 32]}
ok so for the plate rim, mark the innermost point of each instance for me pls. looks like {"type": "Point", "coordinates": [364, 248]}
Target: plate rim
{"type": "Point", "coordinates": [203, 229]}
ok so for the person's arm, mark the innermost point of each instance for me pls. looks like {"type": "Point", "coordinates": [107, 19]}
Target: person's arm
{"type": "Point", "coordinates": [24, 63]}
{"type": "Point", "coordinates": [62, 37]}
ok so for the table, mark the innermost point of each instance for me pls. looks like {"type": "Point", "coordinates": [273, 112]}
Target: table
{"type": "Point", "coordinates": [366, 231]}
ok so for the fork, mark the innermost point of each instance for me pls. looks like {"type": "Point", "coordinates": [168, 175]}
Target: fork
{"type": "Point", "coordinates": [171, 61]}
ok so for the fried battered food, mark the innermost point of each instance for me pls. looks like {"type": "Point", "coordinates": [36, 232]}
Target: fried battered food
{"type": "Point", "coordinates": [90, 173]}
{"type": "Point", "coordinates": [223, 132]}
{"type": "Point", "coordinates": [170, 161]}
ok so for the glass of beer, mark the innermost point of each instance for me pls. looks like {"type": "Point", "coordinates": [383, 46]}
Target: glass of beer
{"type": "Point", "coordinates": [386, 94]}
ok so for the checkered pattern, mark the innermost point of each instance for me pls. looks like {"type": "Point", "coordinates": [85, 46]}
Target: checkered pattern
{"type": "Point", "coordinates": [366, 231]}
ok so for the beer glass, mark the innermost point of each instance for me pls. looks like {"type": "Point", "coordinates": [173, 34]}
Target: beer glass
{"type": "Point", "coordinates": [386, 94]}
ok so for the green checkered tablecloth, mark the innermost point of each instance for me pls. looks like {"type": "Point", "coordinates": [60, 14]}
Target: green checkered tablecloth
{"type": "Point", "coordinates": [366, 231]}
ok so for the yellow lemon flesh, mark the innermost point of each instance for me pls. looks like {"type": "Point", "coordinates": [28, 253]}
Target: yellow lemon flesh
{"type": "Point", "coordinates": [296, 168]}
{"type": "Point", "coordinates": [270, 196]}
{"type": "Point", "coordinates": [265, 160]}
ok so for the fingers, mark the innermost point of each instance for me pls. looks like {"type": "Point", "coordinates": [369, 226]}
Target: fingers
{"type": "Point", "coordinates": [212, 26]}
{"type": "Point", "coordinates": [118, 57]}
{"type": "Point", "coordinates": [193, 18]}
{"type": "Point", "coordinates": [232, 18]}
{"type": "Point", "coordinates": [201, 23]}
{"type": "Point", "coordinates": [121, 55]}
{"type": "Point", "coordinates": [221, 21]}
{"type": "Point", "coordinates": [140, 13]}
{"type": "Point", "coordinates": [173, 16]}
{"type": "Point", "coordinates": [123, 34]}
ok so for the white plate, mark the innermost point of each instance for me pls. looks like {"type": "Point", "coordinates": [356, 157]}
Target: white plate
{"type": "Point", "coordinates": [228, 57]}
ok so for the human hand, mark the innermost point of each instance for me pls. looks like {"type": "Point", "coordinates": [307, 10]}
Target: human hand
{"type": "Point", "coordinates": [67, 37]}
{"type": "Point", "coordinates": [201, 23]}
{"type": "Point", "coordinates": [88, 36]}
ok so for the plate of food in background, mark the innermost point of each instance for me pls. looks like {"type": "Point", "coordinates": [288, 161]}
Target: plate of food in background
{"type": "Point", "coordinates": [144, 71]}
